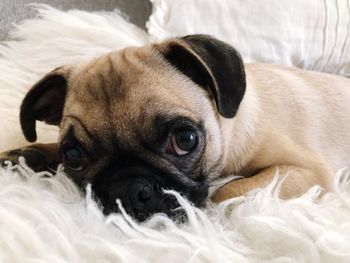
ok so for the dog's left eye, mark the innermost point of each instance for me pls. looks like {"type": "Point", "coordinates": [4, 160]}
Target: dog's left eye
{"type": "Point", "coordinates": [182, 142]}
{"type": "Point", "coordinates": [74, 159]}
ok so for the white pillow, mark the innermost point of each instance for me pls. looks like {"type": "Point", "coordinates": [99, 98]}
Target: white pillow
{"type": "Point", "coordinates": [310, 34]}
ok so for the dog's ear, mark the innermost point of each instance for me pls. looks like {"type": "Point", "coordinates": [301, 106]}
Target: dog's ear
{"type": "Point", "coordinates": [212, 64]}
{"type": "Point", "coordinates": [44, 102]}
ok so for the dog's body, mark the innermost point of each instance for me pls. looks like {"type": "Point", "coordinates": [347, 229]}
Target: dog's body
{"type": "Point", "coordinates": [289, 117]}
{"type": "Point", "coordinates": [130, 110]}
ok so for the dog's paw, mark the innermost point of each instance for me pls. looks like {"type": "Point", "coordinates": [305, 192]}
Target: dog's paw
{"type": "Point", "coordinates": [34, 158]}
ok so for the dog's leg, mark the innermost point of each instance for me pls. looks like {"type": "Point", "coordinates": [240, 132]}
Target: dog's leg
{"type": "Point", "coordinates": [298, 180]}
{"type": "Point", "coordinates": [39, 157]}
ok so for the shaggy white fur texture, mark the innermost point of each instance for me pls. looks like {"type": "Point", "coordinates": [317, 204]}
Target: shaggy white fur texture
{"type": "Point", "coordinates": [44, 218]}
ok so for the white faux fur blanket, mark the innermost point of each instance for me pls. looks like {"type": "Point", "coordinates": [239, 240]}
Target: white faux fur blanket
{"type": "Point", "coordinates": [44, 218]}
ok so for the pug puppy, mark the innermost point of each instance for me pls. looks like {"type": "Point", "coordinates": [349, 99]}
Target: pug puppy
{"type": "Point", "coordinates": [181, 114]}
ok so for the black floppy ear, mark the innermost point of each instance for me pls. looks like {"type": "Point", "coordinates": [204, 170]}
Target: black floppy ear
{"type": "Point", "coordinates": [44, 102]}
{"type": "Point", "coordinates": [212, 64]}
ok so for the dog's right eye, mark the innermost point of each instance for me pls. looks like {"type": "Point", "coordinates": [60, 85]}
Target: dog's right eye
{"type": "Point", "coordinates": [74, 159]}
{"type": "Point", "coordinates": [182, 142]}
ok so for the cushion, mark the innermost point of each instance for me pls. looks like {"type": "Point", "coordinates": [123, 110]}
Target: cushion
{"type": "Point", "coordinates": [309, 34]}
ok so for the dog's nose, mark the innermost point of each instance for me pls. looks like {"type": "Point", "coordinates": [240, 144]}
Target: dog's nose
{"type": "Point", "coordinates": [143, 192]}
{"type": "Point", "coordinates": [140, 193]}
{"type": "Point", "coordinates": [140, 197]}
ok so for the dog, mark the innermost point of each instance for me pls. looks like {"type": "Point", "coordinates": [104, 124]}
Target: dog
{"type": "Point", "coordinates": [181, 114]}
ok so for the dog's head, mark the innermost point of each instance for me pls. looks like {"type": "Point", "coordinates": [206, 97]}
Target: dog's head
{"type": "Point", "coordinates": [140, 120]}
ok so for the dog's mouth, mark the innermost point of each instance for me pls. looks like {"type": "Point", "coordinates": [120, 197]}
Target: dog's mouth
{"type": "Point", "coordinates": [141, 192]}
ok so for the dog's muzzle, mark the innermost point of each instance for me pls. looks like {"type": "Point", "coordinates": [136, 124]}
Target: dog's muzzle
{"type": "Point", "coordinates": [141, 191]}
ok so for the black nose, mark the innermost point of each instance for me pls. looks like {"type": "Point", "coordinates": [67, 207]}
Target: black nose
{"type": "Point", "coordinates": [140, 195]}
{"type": "Point", "coordinates": [141, 192]}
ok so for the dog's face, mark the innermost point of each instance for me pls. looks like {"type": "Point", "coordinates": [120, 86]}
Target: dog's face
{"type": "Point", "coordinates": [140, 120]}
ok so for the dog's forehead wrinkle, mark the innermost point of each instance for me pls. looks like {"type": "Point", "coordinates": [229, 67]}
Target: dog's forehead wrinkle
{"type": "Point", "coordinates": [104, 81]}
{"type": "Point", "coordinates": [124, 90]}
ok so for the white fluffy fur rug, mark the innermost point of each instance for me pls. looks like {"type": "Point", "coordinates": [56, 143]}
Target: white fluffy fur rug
{"type": "Point", "coordinates": [44, 218]}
